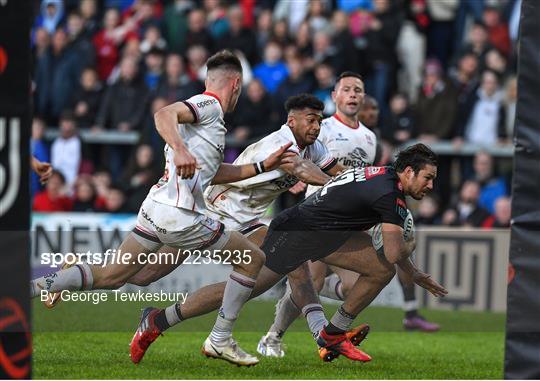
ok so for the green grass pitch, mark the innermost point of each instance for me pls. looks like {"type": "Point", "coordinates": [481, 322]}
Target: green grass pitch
{"type": "Point", "coordinates": [81, 340]}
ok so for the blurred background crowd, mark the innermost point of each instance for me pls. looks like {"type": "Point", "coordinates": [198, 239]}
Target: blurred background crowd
{"type": "Point", "coordinates": [434, 70]}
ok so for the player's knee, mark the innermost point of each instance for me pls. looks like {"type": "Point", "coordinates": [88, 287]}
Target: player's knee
{"type": "Point", "coordinates": [252, 261]}
{"type": "Point", "coordinates": [142, 280]}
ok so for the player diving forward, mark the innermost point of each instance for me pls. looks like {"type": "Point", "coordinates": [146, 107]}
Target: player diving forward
{"type": "Point", "coordinates": [353, 145]}
{"type": "Point", "coordinates": [173, 213]}
{"type": "Point", "coordinates": [240, 205]}
{"type": "Point", "coordinates": [335, 217]}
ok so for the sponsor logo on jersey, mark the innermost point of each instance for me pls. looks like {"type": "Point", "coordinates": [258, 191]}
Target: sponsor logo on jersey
{"type": "Point", "coordinates": [285, 182]}
{"type": "Point", "coordinates": [205, 103]}
{"type": "Point", "coordinates": [369, 140]}
{"type": "Point", "coordinates": [341, 138]}
{"type": "Point", "coordinates": [401, 208]}
{"type": "Point", "coordinates": [374, 171]}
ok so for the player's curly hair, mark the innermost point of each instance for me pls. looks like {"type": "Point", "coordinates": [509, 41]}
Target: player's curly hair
{"type": "Point", "coordinates": [416, 156]}
{"type": "Point", "coordinates": [303, 101]}
{"type": "Point", "coordinates": [225, 60]}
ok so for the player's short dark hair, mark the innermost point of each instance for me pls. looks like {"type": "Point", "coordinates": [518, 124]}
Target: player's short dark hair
{"type": "Point", "coordinates": [225, 60]}
{"type": "Point", "coordinates": [60, 175]}
{"type": "Point", "coordinates": [303, 101]}
{"type": "Point", "coordinates": [347, 74]}
{"type": "Point", "coordinates": [416, 156]}
{"type": "Point", "coordinates": [68, 115]}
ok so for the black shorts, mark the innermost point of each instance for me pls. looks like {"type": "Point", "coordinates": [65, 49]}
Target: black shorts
{"type": "Point", "coordinates": [289, 243]}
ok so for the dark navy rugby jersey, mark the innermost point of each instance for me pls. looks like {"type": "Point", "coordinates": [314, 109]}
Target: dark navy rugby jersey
{"type": "Point", "coordinates": [357, 199]}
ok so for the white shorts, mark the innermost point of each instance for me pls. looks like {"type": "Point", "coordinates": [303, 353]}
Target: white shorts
{"type": "Point", "coordinates": [246, 228]}
{"type": "Point", "coordinates": [160, 224]}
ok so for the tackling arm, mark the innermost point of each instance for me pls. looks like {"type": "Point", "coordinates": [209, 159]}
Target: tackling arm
{"type": "Point", "coordinates": [304, 170]}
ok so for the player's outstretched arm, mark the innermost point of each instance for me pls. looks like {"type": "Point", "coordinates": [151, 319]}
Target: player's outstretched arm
{"type": "Point", "coordinates": [422, 279]}
{"type": "Point", "coordinates": [304, 170]}
{"type": "Point", "coordinates": [230, 173]}
{"type": "Point", "coordinates": [166, 120]}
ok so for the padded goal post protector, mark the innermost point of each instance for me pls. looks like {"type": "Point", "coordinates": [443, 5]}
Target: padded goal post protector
{"type": "Point", "coordinates": [522, 357]}
{"type": "Point", "coordinates": [15, 117]}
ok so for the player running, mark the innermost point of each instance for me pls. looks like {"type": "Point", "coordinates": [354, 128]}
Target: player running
{"type": "Point", "coordinates": [337, 215]}
{"type": "Point", "coordinates": [173, 213]}
{"type": "Point", "coordinates": [353, 145]}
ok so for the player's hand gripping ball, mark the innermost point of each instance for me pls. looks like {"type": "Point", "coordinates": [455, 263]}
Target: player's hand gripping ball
{"type": "Point", "coordinates": [408, 232]}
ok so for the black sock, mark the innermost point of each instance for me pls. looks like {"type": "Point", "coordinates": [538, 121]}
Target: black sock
{"type": "Point", "coordinates": [331, 329]}
{"type": "Point", "coordinates": [161, 321]}
{"type": "Point", "coordinates": [411, 314]}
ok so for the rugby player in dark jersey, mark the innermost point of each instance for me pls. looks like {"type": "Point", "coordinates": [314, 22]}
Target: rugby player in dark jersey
{"type": "Point", "coordinates": [336, 217]}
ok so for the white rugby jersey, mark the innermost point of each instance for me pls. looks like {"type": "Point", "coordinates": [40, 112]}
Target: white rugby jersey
{"type": "Point", "coordinates": [352, 147]}
{"type": "Point", "coordinates": [205, 139]}
{"type": "Point", "coordinates": [245, 201]}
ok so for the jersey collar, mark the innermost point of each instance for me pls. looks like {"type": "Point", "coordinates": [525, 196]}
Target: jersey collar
{"type": "Point", "coordinates": [343, 122]}
{"type": "Point", "coordinates": [215, 96]}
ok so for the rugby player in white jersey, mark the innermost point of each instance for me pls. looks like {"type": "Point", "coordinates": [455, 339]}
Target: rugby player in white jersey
{"type": "Point", "coordinates": [240, 205]}
{"type": "Point", "coordinates": [173, 214]}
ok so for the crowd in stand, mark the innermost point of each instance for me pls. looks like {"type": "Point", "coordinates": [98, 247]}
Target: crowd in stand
{"type": "Point", "coordinates": [434, 70]}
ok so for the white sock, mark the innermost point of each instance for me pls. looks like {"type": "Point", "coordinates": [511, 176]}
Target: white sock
{"type": "Point", "coordinates": [171, 315]}
{"type": "Point", "coordinates": [332, 287]}
{"type": "Point", "coordinates": [237, 293]}
{"type": "Point", "coordinates": [76, 278]}
{"type": "Point", "coordinates": [286, 314]}
{"type": "Point", "coordinates": [315, 318]}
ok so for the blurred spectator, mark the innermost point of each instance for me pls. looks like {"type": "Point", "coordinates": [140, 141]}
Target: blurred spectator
{"type": "Point", "coordinates": [176, 84]}
{"type": "Point", "coordinates": [38, 149]}
{"type": "Point", "coordinates": [466, 8]}
{"type": "Point", "coordinates": [369, 114]}
{"type": "Point", "coordinates": [150, 134]}
{"type": "Point", "coordinates": [272, 71]}
{"type": "Point", "coordinates": [317, 16]}
{"type": "Point", "coordinates": [115, 201]}
{"type": "Point", "coordinates": [510, 102]}
{"type": "Point", "coordinates": [86, 100]}
{"type": "Point", "coordinates": [478, 42]}
{"type": "Point", "coordinates": [102, 180]}
{"type": "Point", "coordinates": [51, 13]}
{"type": "Point", "coordinates": [89, 13]}
{"type": "Point", "coordinates": [42, 42]}
{"type": "Point", "coordinates": [492, 187]}
{"type": "Point", "coordinates": [464, 77]}
{"type": "Point", "coordinates": [197, 33]}
{"type": "Point", "coordinates": [441, 29]}
{"type": "Point", "coordinates": [238, 37]}
{"type": "Point", "coordinates": [79, 41]}
{"type": "Point", "coordinates": [382, 37]}
{"type": "Point", "coordinates": [251, 106]}
{"type": "Point", "coordinates": [123, 105]}
{"type": "Point", "coordinates": [296, 83]}
{"type": "Point", "coordinates": [217, 20]}
{"type": "Point", "coordinates": [496, 62]}
{"type": "Point", "coordinates": [175, 24]}
{"type": "Point", "coordinates": [57, 75]}
{"type": "Point", "coordinates": [437, 104]}
{"type": "Point", "coordinates": [293, 12]}
{"type": "Point", "coordinates": [139, 176]}
{"type": "Point", "coordinates": [428, 212]}
{"type": "Point", "coordinates": [324, 51]}
{"type": "Point", "coordinates": [123, 108]}
{"type": "Point", "coordinates": [324, 75]}
{"type": "Point", "coordinates": [196, 65]}
{"type": "Point", "coordinates": [66, 149]}
{"type": "Point", "coordinates": [343, 42]}
{"type": "Point", "coordinates": [352, 5]}
{"type": "Point", "coordinates": [502, 215]}
{"type": "Point", "coordinates": [264, 30]}
{"type": "Point", "coordinates": [53, 198]}
{"type": "Point", "coordinates": [398, 126]}
{"type": "Point", "coordinates": [280, 33]}
{"type": "Point", "coordinates": [497, 30]}
{"type": "Point", "coordinates": [152, 40]}
{"type": "Point", "coordinates": [483, 119]}
{"type": "Point", "coordinates": [411, 47]}
{"type": "Point", "coordinates": [86, 198]}
{"type": "Point", "coordinates": [107, 41]}
{"type": "Point", "coordinates": [153, 65]}
{"type": "Point", "coordinates": [143, 14]}
{"type": "Point", "coordinates": [466, 212]}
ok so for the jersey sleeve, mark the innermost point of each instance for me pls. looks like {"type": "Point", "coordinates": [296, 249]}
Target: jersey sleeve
{"type": "Point", "coordinates": [205, 109]}
{"type": "Point", "coordinates": [322, 157]}
{"type": "Point", "coordinates": [392, 208]}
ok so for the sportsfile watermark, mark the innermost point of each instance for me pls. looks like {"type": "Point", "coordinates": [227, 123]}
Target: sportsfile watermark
{"type": "Point", "coordinates": [119, 257]}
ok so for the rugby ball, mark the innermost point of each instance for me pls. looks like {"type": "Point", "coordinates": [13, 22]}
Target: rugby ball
{"type": "Point", "coordinates": [408, 232]}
